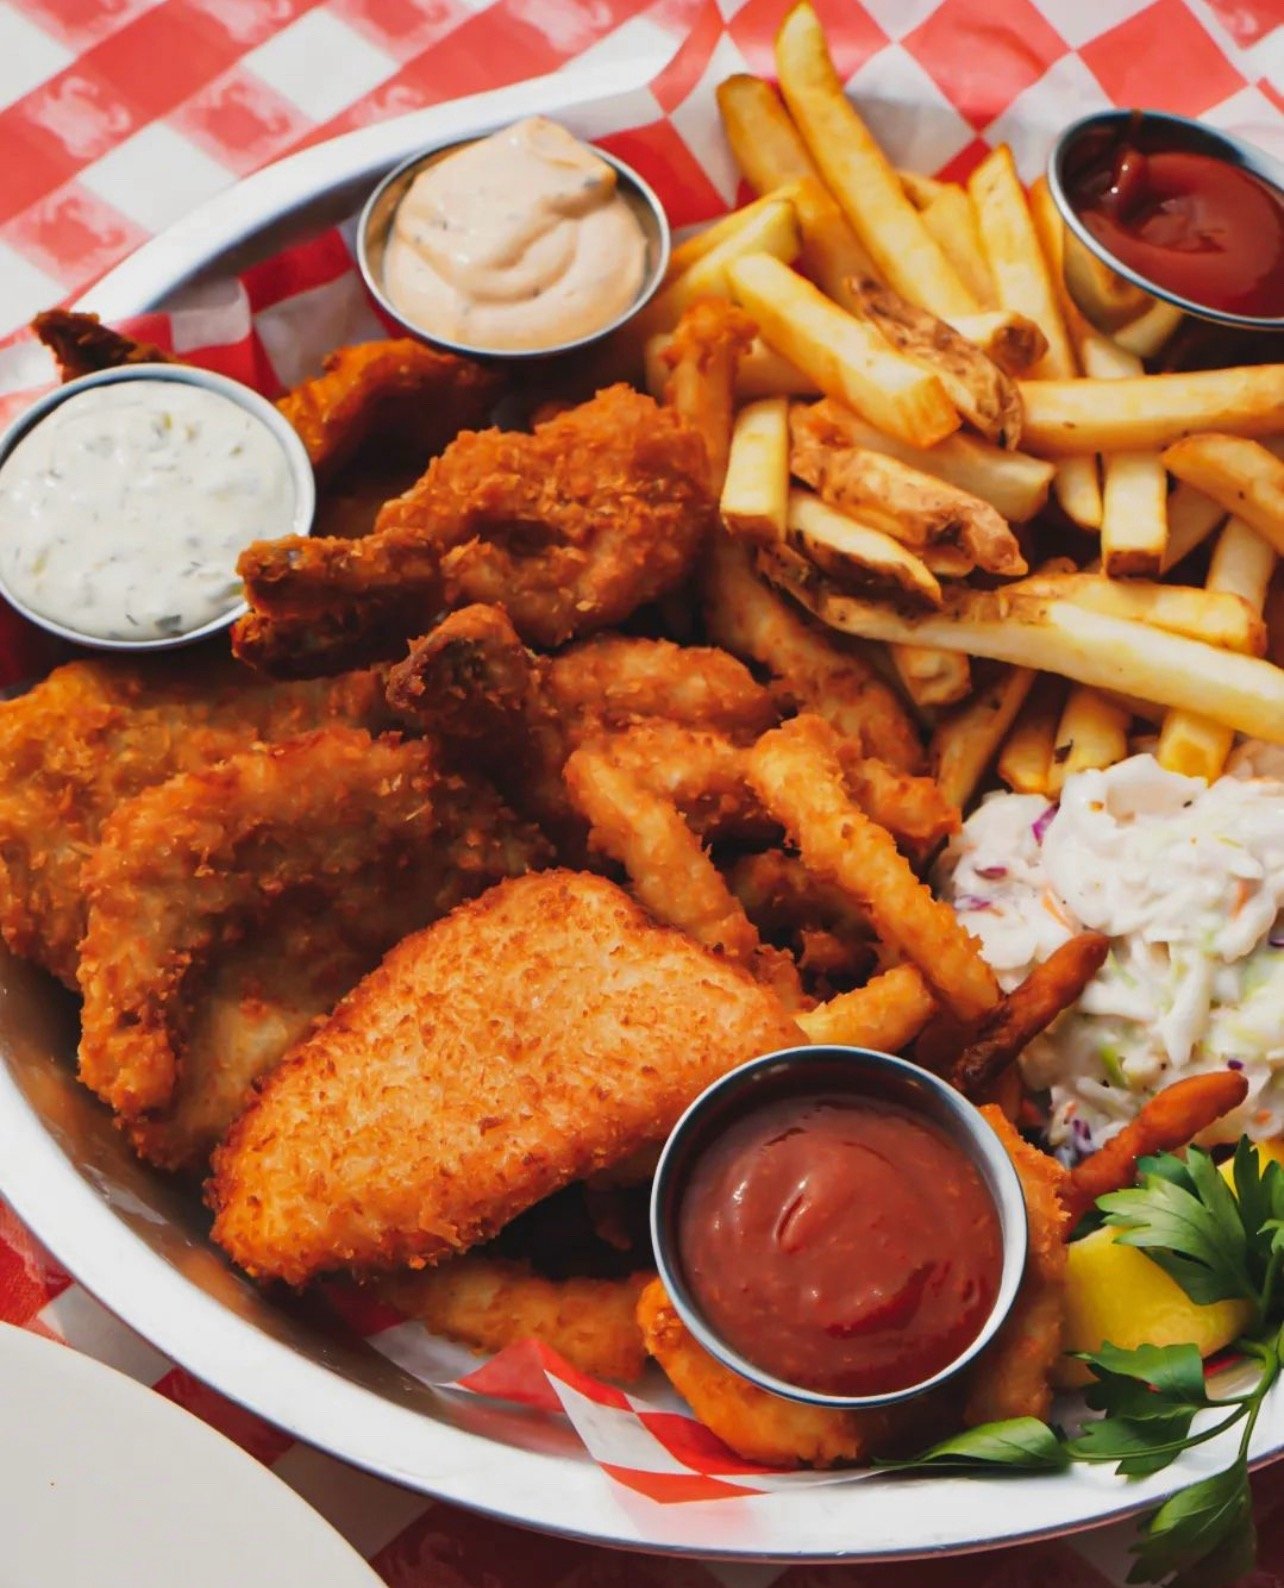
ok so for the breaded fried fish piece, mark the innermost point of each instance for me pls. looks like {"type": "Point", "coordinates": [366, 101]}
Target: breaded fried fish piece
{"type": "Point", "coordinates": [535, 1036]}
{"type": "Point", "coordinates": [95, 733]}
{"type": "Point", "coordinates": [377, 837]}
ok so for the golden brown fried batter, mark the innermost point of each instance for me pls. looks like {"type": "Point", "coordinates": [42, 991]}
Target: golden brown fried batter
{"type": "Point", "coordinates": [702, 357]}
{"type": "Point", "coordinates": [375, 835]}
{"type": "Point", "coordinates": [95, 733]}
{"type": "Point", "coordinates": [572, 528]}
{"type": "Point", "coordinates": [535, 1036]}
{"type": "Point", "coordinates": [83, 345]}
{"type": "Point", "coordinates": [488, 1303]}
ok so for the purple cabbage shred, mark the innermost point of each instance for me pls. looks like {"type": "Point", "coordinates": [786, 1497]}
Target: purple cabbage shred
{"type": "Point", "coordinates": [1040, 827]}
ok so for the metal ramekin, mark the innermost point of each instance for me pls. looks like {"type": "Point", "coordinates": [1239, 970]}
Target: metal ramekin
{"type": "Point", "coordinates": [1094, 133]}
{"type": "Point", "coordinates": [805, 1071]}
{"type": "Point", "coordinates": [376, 223]}
{"type": "Point", "coordinates": [186, 375]}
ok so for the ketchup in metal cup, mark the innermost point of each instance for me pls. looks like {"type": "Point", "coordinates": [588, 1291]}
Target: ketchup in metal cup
{"type": "Point", "coordinates": [840, 1243]}
{"type": "Point", "coordinates": [1200, 227]}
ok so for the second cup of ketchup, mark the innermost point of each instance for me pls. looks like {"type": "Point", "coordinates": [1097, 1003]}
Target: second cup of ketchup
{"type": "Point", "coordinates": [835, 1225]}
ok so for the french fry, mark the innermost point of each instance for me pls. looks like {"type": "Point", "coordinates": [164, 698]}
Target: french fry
{"type": "Point", "coordinates": [932, 678]}
{"type": "Point", "coordinates": [1015, 343]}
{"type": "Point", "coordinates": [902, 501]}
{"type": "Point", "coordinates": [691, 250]}
{"type": "Point", "coordinates": [978, 388]}
{"type": "Point", "coordinates": [857, 172]}
{"type": "Point", "coordinates": [1134, 510]}
{"type": "Point", "coordinates": [1024, 282]}
{"type": "Point", "coordinates": [796, 772]}
{"type": "Point", "coordinates": [763, 139]}
{"type": "Point", "coordinates": [1215, 616]}
{"type": "Point", "coordinates": [967, 740]}
{"type": "Point", "coordinates": [831, 251]}
{"type": "Point", "coordinates": [1013, 483]}
{"type": "Point", "coordinates": [857, 556]}
{"type": "Point", "coordinates": [1241, 568]}
{"type": "Point", "coordinates": [1192, 518]}
{"type": "Point", "coordinates": [1243, 477]}
{"type": "Point", "coordinates": [773, 231]}
{"type": "Point", "coordinates": [701, 358]}
{"type": "Point", "coordinates": [1027, 1010]}
{"type": "Point", "coordinates": [1025, 761]}
{"type": "Point", "coordinates": [1150, 332]}
{"type": "Point", "coordinates": [948, 562]}
{"type": "Point", "coordinates": [765, 373]}
{"type": "Point", "coordinates": [1063, 417]}
{"type": "Point", "coordinates": [1092, 733]}
{"type": "Point", "coordinates": [1053, 636]}
{"type": "Point", "coordinates": [886, 1014]}
{"type": "Point", "coordinates": [847, 358]}
{"type": "Point", "coordinates": [755, 493]}
{"type": "Point", "coordinates": [950, 218]}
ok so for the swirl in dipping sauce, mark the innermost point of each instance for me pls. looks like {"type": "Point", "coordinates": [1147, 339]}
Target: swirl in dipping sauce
{"type": "Point", "coordinates": [518, 242]}
{"type": "Point", "coordinates": [126, 507]}
{"type": "Point", "coordinates": [842, 1244]}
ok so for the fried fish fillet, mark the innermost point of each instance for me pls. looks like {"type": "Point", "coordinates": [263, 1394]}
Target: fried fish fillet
{"type": "Point", "coordinates": [600, 509]}
{"type": "Point", "coordinates": [95, 733]}
{"type": "Point", "coordinates": [537, 1035]}
{"type": "Point", "coordinates": [370, 830]}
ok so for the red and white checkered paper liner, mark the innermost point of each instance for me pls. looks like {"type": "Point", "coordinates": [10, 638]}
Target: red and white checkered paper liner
{"type": "Point", "coordinates": [165, 103]}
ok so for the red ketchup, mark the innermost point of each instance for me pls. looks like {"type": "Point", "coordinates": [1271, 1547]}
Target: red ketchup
{"type": "Point", "coordinates": [840, 1243]}
{"type": "Point", "coordinates": [1198, 226]}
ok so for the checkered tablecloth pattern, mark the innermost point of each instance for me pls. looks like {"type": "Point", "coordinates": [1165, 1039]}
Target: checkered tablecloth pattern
{"type": "Point", "coordinates": [121, 115]}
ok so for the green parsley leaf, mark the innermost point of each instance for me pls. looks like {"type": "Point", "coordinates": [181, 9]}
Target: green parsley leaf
{"type": "Point", "coordinates": [1021, 1443]}
{"type": "Point", "coordinates": [1139, 1447]}
{"type": "Point", "coordinates": [1211, 1518]}
{"type": "Point", "coordinates": [1173, 1373]}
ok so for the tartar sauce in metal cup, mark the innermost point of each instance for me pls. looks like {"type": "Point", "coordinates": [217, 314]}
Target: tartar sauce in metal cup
{"type": "Point", "coordinates": [126, 506]}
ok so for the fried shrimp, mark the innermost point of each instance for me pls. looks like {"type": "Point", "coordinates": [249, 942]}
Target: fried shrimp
{"type": "Point", "coordinates": [370, 828]}
{"type": "Point", "coordinates": [535, 1036]}
{"type": "Point", "coordinates": [702, 357]}
{"type": "Point", "coordinates": [95, 733]}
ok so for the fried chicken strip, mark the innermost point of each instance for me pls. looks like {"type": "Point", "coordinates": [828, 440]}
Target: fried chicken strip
{"type": "Point", "coordinates": [83, 345]}
{"type": "Point", "coordinates": [370, 827]}
{"type": "Point", "coordinates": [95, 733]}
{"type": "Point", "coordinates": [599, 510]}
{"type": "Point", "coordinates": [541, 1033]}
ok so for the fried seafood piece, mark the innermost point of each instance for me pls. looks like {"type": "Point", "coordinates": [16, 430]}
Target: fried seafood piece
{"type": "Point", "coordinates": [489, 1303]}
{"type": "Point", "coordinates": [1013, 1376]}
{"type": "Point", "coordinates": [83, 345]}
{"type": "Point", "coordinates": [95, 733]}
{"type": "Point", "coordinates": [813, 666]}
{"type": "Point", "coordinates": [378, 837]}
{"type": "Point", "coordinates": [537, 1035]}
{"type": "Point", "coordinates": [572, 528]}
{"type": "Point", "coordinates": [766, 1428]}
{"type": "Point", "coordinates": [702, 357]}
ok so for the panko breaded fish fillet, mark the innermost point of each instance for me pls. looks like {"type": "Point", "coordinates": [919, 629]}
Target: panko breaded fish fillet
{"type": "Point", "coordinates": [95, 733]}
{"type": "Point", "coordinates": [535, 1036]}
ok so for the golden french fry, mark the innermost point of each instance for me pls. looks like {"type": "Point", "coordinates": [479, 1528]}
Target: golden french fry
{"type": "Point", "coordinates": [1013, 483]}
{"type": "Point", "coordinates": [1151, 331]}
{"type": "Point", "coordinates": [916, 508]}
{"type": "Point", "coordinates": [1025, 282]}
{"type": "Point", "coordinates": [765, 373]}
{"type": "Point", "coordinates": [763, 139]}
{"type": "Point", "coordinates": [857, 172]}
{"type": "Point", "coordinates": [920, 190]}
{"type": "Point", "coordinates": [847, 358]}
{"type": "Point", "coordinates": [797, 773]}
{"type": "Point", "coordinates": [886, 1014]}
{"type": "Point", "coordinates": [773, 231]}
{"type": "Point", "coordinates": [1093, 732]}
{"type": "Point", "coordinates": [702, 357]}
{"type": "Point", "coordinates": [967, 740]}
{"type": "Point", "coordinates": [948, 562]}
{"type": "Point", "coordinates": [857, 556]}
{"type": "Point", "coordinates": [951, 219]}
{"type": "Point", "coordinates": [1274, 614]}
{"type": "Point", "coordinates": [691, 250]}
{"type": "Point", "coordinates": [932, 678]}
{"type": "Point", "coordinates": [1243, 692]}
{"type": "Point", "coordinates": [832, 253]}
{"type": "Point", "coordinates": [755, 493]}
{"type": "Point", "coordinates": [1015, 343]}
{"type": "Point", "coordinates": [1242, 566]}
{"type": "Point", "coordinates": [1134, 509]}
{"type": "Point", "coordinates": [1215, 616]}
{"type": "Point", "coordinates": [1062, 417]}
{"type": "Point", "coordinates": [1025, 761]}
{"type": "Point", "coordinates": [1245, 478]}
{"type": "Point", "coordinates": [978, 388]}
{"type": "Point", "coordinates": [1192, 518]}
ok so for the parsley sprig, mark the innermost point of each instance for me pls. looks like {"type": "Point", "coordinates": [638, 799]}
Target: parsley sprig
{"type": "Point", "coordinates": [1217, 1246]}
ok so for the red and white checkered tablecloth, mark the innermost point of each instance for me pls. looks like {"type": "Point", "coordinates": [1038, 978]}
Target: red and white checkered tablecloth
{"type": "Point", "coordinates": [120, 115]}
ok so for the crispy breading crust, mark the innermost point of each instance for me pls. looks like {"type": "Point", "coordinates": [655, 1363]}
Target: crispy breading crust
{"type": "Point", "coordinates": [537, 1035]}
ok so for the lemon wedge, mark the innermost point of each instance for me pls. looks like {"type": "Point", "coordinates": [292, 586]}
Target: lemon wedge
{"type": "Point", "coordinates": [1116, 1293]}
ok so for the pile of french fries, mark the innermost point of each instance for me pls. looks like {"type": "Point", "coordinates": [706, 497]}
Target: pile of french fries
{"type": "Point", "coordinates": [903, 424]}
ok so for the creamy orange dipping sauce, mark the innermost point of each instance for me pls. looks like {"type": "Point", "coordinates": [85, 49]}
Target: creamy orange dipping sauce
{"type": "Point", "coordinates": [518, 242]}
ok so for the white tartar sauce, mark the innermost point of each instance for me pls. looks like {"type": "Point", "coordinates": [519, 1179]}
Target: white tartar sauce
{"type": "Point", "coordinates": [1187, 880]}
{"type": "Point", "coordinates": [123, 511]}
